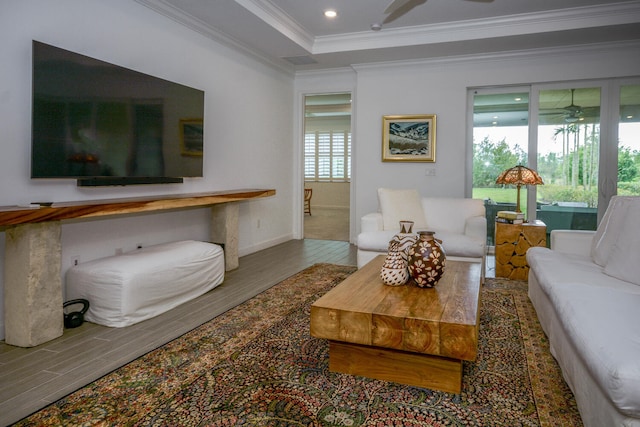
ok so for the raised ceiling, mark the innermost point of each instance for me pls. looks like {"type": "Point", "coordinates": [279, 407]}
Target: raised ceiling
{"type": "Point", "coordinates": [295, 33]}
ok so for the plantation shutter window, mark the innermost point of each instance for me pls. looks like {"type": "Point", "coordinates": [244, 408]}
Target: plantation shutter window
{"type": "Point", "coordinates": [327, 156]}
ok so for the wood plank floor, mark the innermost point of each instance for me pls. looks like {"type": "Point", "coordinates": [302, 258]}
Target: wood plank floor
{"type": "Point", "coordinates": [32, 378]}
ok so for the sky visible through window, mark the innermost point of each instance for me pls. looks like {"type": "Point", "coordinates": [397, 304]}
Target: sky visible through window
{"type": "Point", "coordinates": [628, 136]}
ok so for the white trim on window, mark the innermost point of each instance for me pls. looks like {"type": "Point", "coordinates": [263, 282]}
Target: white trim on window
{"type": "Point", "coordinates": [327, 156]}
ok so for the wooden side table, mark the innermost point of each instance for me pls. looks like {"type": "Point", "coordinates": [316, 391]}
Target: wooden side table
{"type": "Point", "coordinates": [512, 242]}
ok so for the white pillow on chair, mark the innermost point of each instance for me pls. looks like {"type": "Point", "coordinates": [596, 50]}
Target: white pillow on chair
{"type": "Point", "coordinates": [400, 205]}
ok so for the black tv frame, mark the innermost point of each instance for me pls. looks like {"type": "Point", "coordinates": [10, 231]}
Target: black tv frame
{"type": "Point", "coordinates": [119, 179]}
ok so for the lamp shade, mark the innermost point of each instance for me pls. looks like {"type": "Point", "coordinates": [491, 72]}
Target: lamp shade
{"type": "Point", "coordinates": [518, 176]}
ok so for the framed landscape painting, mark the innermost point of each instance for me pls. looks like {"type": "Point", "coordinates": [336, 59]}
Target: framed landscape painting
{"type": "Point", "coordinates": [191, 142]}
{"type": "Point", "coordinates": [409, 138]}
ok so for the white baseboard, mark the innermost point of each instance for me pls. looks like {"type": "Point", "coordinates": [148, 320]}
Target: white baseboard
{"type": "Point", "coordinates": [264, 245]}
{"type": "Point", "coordinates": [328, 207]}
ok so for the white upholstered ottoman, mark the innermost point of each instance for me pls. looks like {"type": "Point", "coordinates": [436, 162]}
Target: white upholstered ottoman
{"type": "Point", "coordinates": [135, 286]}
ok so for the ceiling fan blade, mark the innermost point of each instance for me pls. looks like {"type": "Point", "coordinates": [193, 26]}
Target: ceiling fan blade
{"type": "Point", "coordinates": [397, 8]}
{"type": "Point", "coordinates": [395, 5]}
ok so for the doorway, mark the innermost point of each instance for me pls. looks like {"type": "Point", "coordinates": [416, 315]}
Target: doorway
{"type": "Point", "coordinates": [327, 166]}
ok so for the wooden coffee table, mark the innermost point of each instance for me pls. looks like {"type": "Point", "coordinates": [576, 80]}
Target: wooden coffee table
{"type": "Point", "coordinates": [403, 334]}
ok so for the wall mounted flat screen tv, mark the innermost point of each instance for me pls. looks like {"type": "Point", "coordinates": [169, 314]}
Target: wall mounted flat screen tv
{"type": "Point", "coordinates": [103, 124]}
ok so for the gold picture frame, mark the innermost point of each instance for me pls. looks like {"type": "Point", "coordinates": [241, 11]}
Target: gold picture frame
{"type": "Point", "coordinates": [191, 137]}
{"type": "Point", "coordinates": [409, 138]}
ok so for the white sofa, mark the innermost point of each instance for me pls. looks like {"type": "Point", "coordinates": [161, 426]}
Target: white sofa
{"type": "Point", "coordinates": [460, 223]}
{"type": "Point", "coordinates": [586, 292]}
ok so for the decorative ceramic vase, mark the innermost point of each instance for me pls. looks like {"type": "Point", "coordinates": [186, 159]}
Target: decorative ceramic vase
{"type": "Point", "coordinates": [426, 260]}
{"type": "Point", "coordinates": [394, 271]}
{"type": "Point", "coordinates": [406, 237]}
{"type": "Point", "coordinates": [406, 226]}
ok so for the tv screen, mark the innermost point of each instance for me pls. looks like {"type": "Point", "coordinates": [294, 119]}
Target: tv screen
{"type": "Point", "coordinates": [104, 124]}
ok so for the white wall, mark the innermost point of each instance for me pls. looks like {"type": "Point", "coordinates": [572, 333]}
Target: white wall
{"type": "Point", "coordinates": [440, 87]}
{"type": "Point", "coordinates": [248, 130]}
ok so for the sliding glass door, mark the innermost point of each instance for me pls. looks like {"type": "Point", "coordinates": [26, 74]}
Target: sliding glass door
{"type": "Point", "coordinates": [568, 153]}
{"type": "Point", "coordinates": [583, 138]}
{"type": "Point", "coordinates": [500, 135]}
{"type": "Point", "coordinates": [628, 182]}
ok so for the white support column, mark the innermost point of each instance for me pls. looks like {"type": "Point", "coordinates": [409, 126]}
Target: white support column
{"type": "Point", "coordinates": [224, 229]}
{"type": "Point", "coordinates": [32, 284]}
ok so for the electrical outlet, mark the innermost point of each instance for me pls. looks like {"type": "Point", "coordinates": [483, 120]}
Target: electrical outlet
{"type": "Point", "coordinates": [430, 172]}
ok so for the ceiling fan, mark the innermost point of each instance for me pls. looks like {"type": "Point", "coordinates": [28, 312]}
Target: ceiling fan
{"type": "Point", "coordinates": [572, 112]}
{"type": "Point", "coordinates": [397, 8]}
{"type": "Point", "coordinates": [569, 114]}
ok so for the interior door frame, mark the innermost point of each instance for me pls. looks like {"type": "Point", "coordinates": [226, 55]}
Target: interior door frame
{"type": "Point", "coordinates": [298, 150]}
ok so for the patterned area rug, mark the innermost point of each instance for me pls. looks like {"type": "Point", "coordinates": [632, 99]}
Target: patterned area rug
{"type": "Point", "coordinates": [257, 365]}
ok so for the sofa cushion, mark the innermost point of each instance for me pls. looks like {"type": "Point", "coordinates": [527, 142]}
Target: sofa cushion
{"type": "Point", "coordinates": [623, 260]}
{"type": "Point", "coordinates": [400, 205]}
{"type": "Point", "coordinates": [603, 326]}
{"type": "Point", "coordinates": [611, 226]}
{"type": "Point", "coordinates": [460, 245]}
{"type": "Point", "coordinates": [450, 213]}
{"type": "Point", "coordinates": [554, 268]}
{"type": "Point", "coordinates": [457, 245]}
{"type": "Point", "coordinates": [377, 241]}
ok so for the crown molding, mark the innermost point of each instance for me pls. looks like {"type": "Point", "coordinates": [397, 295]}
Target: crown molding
{"type": "Point", "coordinates": [279, 20]}
{"type": "Point", "coordinates": [530, 54]}
{"type": "Point", "coordinates": [510, 25]}
{"type": "Point", "coordinates": [460, 31]}
{"type": "Point", "coordinates": [189, 21]}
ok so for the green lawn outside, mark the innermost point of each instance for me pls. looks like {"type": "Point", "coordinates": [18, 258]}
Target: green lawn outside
{"type": "Point", "coordinates": [502, 195]}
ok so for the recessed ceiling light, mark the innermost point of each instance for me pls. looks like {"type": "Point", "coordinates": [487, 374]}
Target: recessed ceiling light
{"type": "Point", "coordinates": [330, 13]}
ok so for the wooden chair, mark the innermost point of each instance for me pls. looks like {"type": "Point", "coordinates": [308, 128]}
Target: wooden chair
{"type": "Point", "coordinates": [308, 192]}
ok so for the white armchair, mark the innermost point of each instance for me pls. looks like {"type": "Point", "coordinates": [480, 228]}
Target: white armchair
{"type": "Point", "coordinates": [460, 223]}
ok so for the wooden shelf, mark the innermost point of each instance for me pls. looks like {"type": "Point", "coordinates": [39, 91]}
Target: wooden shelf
{"type": "Point", "coordinates": [15, 215]}
{"type": "Point", "coordinates": [33, 283]}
